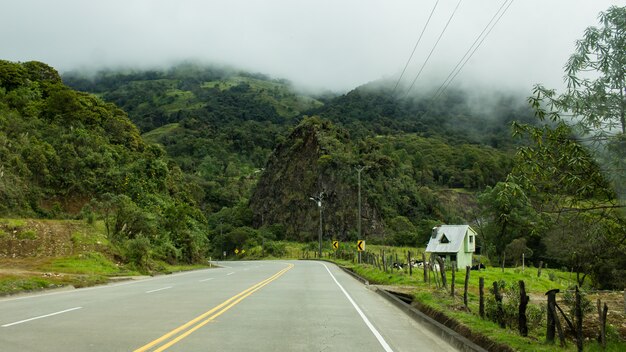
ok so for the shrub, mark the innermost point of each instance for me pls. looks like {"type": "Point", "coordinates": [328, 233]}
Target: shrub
{"type": "Point", "coordinates": [167, 251]}
{"type": "Point", "coordinates": [275, 249]}
{"type": "Point", "coordinates": [138, 251]}
{"type": "Point", "coordinates": [510, 307]}
{"type": "Point", "coordinates": [27, 235]}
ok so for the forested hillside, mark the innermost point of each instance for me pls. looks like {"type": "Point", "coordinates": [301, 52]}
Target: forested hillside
{"type": "Point", "coordinates": [218, 124]}
{"type": "Point", "coordinates": [221, 126]}
{"type": "Point", "coordinates": [66, 154]}
{"type": "Point", "coordinates": [237, 157]}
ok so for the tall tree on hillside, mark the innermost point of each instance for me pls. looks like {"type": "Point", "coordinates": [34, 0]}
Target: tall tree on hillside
{"type": "Point", "coordinates": [574, 171]}
{"type": "Point", "coordinates": [594, 103]}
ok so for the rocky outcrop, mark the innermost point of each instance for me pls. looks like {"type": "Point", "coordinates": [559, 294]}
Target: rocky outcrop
{"type": "Point", "coordinates": [316, 158]}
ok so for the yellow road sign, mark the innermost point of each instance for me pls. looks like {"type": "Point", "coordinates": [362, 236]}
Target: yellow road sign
{"type": "Point", "coordinates": [360, 245]}
{"type": "Point", "coordinates": [335, 244]}
{"type": "Point", "coordinates": [236, 250]}
{"type": "Point", "coordinates": [243, 251]}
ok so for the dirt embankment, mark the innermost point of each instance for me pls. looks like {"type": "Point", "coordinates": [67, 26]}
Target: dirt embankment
{"type": "Point", "coordinates": [44, 238]}
{"type": "Point", "coordinates": [27, 245]}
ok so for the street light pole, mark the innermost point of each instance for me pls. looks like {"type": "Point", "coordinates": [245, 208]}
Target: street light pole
{"type": "Point", "coordinates": [318, 200]}
{"type": "Point", "coordinates": [358, 170]}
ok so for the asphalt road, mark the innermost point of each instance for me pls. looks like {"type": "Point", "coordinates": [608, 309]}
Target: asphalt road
{"type": "Point", "coordinates": [243, 306]}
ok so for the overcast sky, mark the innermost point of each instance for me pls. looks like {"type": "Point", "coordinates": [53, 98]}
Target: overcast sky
{"type": "Point", "coordinates": [330, 44]}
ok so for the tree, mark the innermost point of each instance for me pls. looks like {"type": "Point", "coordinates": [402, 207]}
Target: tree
{"type": "Point", "coordinates": [574, 169]}
{"type": "Point", "coordinates": [594, 103]}
{"type": "Point", "coordinates": [599, 99]}
{"type": "Point", "coordinates": [509, 215]}
{"type": "Point", "coordinates": [516, 249]}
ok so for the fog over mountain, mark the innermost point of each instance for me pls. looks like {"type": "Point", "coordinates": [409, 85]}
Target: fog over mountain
{"type": "Point", "coordinates": [319, 44]}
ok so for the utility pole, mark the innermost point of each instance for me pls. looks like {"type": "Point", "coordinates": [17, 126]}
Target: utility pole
{"type": "Point", "coordinates": [318, 200]}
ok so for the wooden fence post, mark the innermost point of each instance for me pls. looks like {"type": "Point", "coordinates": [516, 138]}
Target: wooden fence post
{"type": "Point", "coordinates": [409, 262]}
{"type": "Point", "coordinates": [432, 268]}
{"type": "Point", "coordinates": [442, 270]}
{"type": "Point", "coordinates": [602, 318]}
{"type": "Point", "coordinates": [522, 321]}
{"type": "Point", "coordinates": [426, 278]}
{"type": "Point", "coordinates": [551, 325]}
{"type": "Point", "coordinates": [579, 321]}
{"type": "Point", "coordinates": [453, 279]}
{"type": "Point", "coordinates": [384, 260]}
{"type": "Point", "coordinates": [500, 314]}
{"type": "Point", "coordinates": [481, 300]}
{"type": "Point", "coordinates": [539, 269]}
{"type": "Point", "coordinates": [467, 275]}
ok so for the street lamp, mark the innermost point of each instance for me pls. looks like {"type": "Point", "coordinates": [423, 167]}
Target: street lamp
{"type": "Point", "coordinates": [318, 200]}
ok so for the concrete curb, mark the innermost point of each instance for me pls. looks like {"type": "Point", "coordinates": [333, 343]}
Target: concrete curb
{"type": "Point", "coordinates": [356, 276]}
{"type": "Point", "coordinates": [450, 336]}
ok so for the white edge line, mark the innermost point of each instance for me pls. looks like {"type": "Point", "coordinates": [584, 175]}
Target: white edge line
{"type": "Point", "coordinates": [40, 317]}
{"type": "Point", "coordinates": [159, 289]}
{"type": "Point", "coordinates": [230, 273]}
{"type": "Point", "coordinates": [203, 280]}
{"type": "Point", "coordinates": [379, 337]}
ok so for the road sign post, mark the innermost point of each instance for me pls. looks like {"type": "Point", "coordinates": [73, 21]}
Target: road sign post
{"type": "Point", "coordinates": [360, 247]}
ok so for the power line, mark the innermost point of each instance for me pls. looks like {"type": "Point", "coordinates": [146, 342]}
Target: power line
{"type": "Point", "coordinates": [433, 49]}
{"type": "Point", "coordinates": [439, 90]}
{"type": "Point", "coordinates": [475, 49]}
{"type": "Point", "coordinates": [414, 48]}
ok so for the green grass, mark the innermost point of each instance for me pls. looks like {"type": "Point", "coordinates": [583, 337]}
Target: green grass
{"type": "Point", "coordinates": [181, 101]}
{"type": "Point", "coordinates": [441, 301]}
{"type": "Point", "coordinates": [155, 135]}
{"type": "Point", "coordinates": [13, 223]}
{"type": "Point", "coordinates": [278, 94]}
{"type": "Point", "coordinates": [26, 235]}
{"type": "Point", "coordinates": [89, 239]}
{"type": "Point", "coordinates": [12, 284]}
{"type": "Point", "coordinates": [91, 263]}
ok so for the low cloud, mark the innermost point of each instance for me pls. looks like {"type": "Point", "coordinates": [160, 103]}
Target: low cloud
{"type": "Point", "coordinates": [320, 44]}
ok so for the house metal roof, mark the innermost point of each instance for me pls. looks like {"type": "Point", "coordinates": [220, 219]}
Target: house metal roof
{"type": "Point", "coordinates": [455, 235]}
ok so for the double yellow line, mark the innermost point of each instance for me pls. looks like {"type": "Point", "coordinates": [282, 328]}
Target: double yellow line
{"type": "Point", "coordinates": [186, 329]}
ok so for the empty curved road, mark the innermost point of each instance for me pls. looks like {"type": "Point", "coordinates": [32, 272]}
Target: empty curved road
{"type": "Point", "coordinates": [242, 306]}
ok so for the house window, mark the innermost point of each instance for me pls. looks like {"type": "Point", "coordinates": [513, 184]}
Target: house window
{"type": "Point", "coordinates": [444, 239]}
{"type": "Point", "coordinates": [471, 239]}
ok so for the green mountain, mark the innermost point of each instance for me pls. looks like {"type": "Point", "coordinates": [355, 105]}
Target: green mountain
{"type": "Point", "coordinates": [67, 154]}
{"type": "Point", "coordinates": [239, 139]}
{"type": "Point", "coordinates": [219, 125]}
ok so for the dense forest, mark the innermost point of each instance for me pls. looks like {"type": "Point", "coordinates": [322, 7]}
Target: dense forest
{"type": "Point", "coordinates": [221, 126]}
{"type": "Point", "coordinates": [196, 160]}
{"type": "Point", "coordinates": [69, 154]}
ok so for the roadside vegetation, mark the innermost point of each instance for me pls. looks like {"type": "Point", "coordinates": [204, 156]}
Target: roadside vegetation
{"type": "Point", "coordinates": [437, 301]}
{"type": "Point", "coordinates": [46, 254]}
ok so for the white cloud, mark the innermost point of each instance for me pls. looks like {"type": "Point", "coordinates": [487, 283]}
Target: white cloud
{"type": "Point", "coordinates": [318, 43]}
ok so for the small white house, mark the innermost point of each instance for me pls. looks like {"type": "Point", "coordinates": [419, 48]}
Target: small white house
{"type": "Point", "coordinates": [455, 243]}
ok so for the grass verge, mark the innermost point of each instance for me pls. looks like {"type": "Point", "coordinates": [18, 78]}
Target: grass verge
{"type": "Point", "coordinates": [439, 302]}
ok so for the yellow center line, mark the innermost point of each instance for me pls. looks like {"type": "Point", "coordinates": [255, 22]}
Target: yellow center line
{"type": "Point", "coordinates": [224, 306]}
